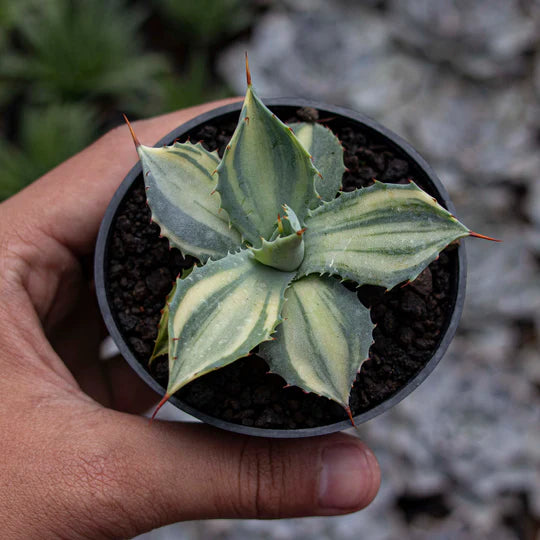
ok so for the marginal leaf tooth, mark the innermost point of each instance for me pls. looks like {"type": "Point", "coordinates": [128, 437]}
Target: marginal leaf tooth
{"type": "Point", "coordinates": [147, 174]}
{"type": "Point", "coordinates": [175, 339]}
{"type": "Point", "coordinates": [246, 120]}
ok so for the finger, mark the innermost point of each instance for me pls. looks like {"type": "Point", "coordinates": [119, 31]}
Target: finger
{"type": "Point", "coordinates": [150, 475]}
{"type": "Point", "coordinates": [68, 203]}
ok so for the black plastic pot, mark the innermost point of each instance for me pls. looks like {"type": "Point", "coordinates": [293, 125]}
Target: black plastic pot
{"type": "Point", "coordinates": [422, 171]}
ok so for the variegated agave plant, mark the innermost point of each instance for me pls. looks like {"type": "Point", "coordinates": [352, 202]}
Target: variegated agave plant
{"type": "Point", "coordinates": [269, 283]}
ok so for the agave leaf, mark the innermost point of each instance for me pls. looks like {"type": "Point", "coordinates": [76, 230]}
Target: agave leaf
{"type": "Point", "coordinates": [323, 340]}
{"type": "Point", "coordinates": [219, 313]}
{"type": "Point", "coordinates": [179, 184]}
{"type": "Point", "coordinates": [161, 345]}
{"type": "Point", "coordinates": [327, 154]}
{"type": "Point", "coordinates": [283, 253]}
{"type": "Point", "coordinates": [263, 167]}
{"type": "Point", "coordinates": [285, 250]}
{"type": "Point", "coordinates": [380, 235]}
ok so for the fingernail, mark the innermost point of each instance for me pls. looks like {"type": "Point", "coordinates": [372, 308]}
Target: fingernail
{"type": "Point", "coordinates": [345, 477]}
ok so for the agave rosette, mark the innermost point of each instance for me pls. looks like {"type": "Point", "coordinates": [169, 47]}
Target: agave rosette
{"type": "Point", "coordinates": [273, 282]}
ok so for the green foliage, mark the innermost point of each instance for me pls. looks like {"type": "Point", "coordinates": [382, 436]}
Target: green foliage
{"type": "Point", "coordinates": [383, 235]}
{"type": "Point", "coordinates": [112, 55]}
{"type": "Point", "coordinates": [194, 85]}
{"type": "Point", "coordinates": [48, 136]}
{"type": "Point", "coordinates": [74, 50]}
{"type": "Point", "coordinates": [206, 21]}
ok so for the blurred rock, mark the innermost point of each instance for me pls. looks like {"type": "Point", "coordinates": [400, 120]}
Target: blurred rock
{"type": "Point", "coordinates": [488, 133]}
{"type": "Point", "coordinates": [481, 38]}
{"type": "Point", "coordinates": [315, 53]}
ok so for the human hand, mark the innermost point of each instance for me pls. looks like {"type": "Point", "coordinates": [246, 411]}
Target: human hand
{"type": "Point", "coordinates": [76, 460]}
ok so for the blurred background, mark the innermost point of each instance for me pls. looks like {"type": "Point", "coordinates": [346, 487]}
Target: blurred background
{"type": "Point", "coordinates": [459, 79]}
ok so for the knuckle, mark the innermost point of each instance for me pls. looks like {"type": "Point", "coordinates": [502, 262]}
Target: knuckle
{"type": "Point", "coordinates": [262, 479]}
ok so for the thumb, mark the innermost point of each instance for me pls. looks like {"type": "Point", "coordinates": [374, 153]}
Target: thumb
{"type": "Point", "coordinates": [147, 475]}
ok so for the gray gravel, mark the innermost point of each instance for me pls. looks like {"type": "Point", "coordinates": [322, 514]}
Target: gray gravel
{"type": "Point", "coordinates": [460, 79]}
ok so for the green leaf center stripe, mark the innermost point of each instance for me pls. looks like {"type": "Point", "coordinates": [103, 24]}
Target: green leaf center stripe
{"type": "Point", "coordinates": [381, 235]}
{"type": "Point", "coordinates": [180, 182]}
{"type": "Point", "coordinates": [253, 195]}
{"type": "Point", "coordinates": [327, 155]}
{"type": "Point", "coordinates": [333, 327]}
{"type": "Point", "coordinates": [213, 290]}
{"type": "Point", "coordinates": [219, 313]}
{"type": "Point", "coordinates": [323, 340]}
{"type": "Point", "coordinates": [193, 161]}
{"type": "Point", "coordinates": [263, 167]}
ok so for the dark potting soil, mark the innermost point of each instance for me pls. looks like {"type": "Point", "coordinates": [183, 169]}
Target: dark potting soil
{"type": "Point", "coordinates": [410, 319]}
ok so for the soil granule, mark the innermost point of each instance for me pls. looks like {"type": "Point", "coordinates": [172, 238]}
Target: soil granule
{"type": "Point", "coordinates": [410, 319]}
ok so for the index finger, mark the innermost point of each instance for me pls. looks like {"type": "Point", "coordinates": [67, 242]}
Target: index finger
{"type": "Point", "coordinates": [68, 202]}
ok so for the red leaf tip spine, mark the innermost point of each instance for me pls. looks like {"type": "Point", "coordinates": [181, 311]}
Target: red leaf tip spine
{"type": "Point", "coordinates": [133, 136]}
{"type": "Point", "coordinates": [160, 404]}
{"type": "Point", "coordinates": [476, 235]}
{"type": "Point", "coordinates": [248, 74]}
{"type": "Point", "coordinates": [349, 414]}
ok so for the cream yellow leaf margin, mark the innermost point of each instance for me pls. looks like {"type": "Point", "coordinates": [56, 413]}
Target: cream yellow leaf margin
{"type": "Point", "coordinates": [161, 344]}
{"type": "Point", "coordinates": [179, 187]}
{"type": "Point", "coordinates": [219, 313]}
{"type": "Point", "coordinates": [263, 168]}
{"type": "Point", "coordinates": [381, 235]}
{"type": "Point", "coordinates": [327, 154]}
{"type": "Point", "coordinates": [324, 338]}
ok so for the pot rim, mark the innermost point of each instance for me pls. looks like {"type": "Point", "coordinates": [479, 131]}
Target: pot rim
{"type": "Point", "coordinates": [397, 142]}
